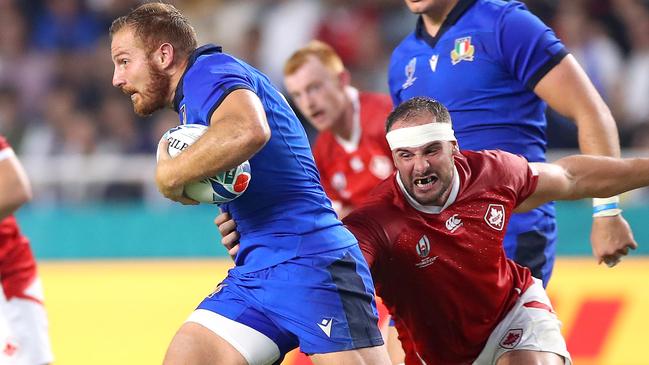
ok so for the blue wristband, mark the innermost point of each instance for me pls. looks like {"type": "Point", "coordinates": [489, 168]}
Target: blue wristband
{"type": "Point", "coordinates": [609, 206]}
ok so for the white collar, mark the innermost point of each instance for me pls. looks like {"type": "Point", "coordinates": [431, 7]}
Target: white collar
{"type": "Point", "coordinates": [350, 145]}
{"type": "Point", "coordinates": [432, 209]}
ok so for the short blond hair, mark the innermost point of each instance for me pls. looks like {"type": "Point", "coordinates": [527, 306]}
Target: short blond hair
{"type": "Point", "coordinates": [318, 49]}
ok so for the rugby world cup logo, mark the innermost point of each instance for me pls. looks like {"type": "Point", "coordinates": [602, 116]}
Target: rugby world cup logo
{"type": "Point", "coordinates": [410, 73]}
{"type": "Point", "coordinates": [423, 247]}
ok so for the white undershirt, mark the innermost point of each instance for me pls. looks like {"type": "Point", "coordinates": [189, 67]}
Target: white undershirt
{"type": "Point", "coordinates": [351, 145]}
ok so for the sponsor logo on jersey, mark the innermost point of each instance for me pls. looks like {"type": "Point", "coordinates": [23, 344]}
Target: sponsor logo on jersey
{"type": "Point", "coordinates": [512, 338]}
{"type": "Point", "coordinates": [495, 216]}
{"type": "Point", "coordinates": [381, 166]}
{"type": "Point", "coordinates": [453, 223]}
{"type": "Point", "coordinates": [433, 62]}
{"type": "Point", "coordinates": [325, 326]}
{"type": "Point", "coordinates": [183, 114]}
{"type": "Point", "coordinates": [463, 50]}
{"type": "Point", "coordinates": [423, 250]}
{"type": "Point", "coordinates": [410, 73]}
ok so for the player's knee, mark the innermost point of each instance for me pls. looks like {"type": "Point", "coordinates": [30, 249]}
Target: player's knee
{"type": "Point", "coordinates": [195, 344]}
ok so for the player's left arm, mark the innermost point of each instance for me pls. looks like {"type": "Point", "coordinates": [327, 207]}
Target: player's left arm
{"type": "Point", "coordinates": [567, 89]}
{"type": "Point", "coordinates": [15, 189]}
{"type": "Point", "coordinates": [238, 129]}
{"type": "Point", "coordinates": [583, 176]}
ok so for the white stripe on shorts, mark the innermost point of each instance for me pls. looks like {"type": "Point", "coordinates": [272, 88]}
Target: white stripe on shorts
{"type": "Point", "coordinates": [255, 347]}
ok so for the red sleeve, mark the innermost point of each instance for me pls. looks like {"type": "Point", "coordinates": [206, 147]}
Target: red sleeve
{"type": "Point", "coordinates": [3, 143]}
{"type": "Point", "coordinates": [5, 149]}
{"type": "Point", "coordinates": [369, 234]}
{"type": "Point", "coordinates": [518, 176]}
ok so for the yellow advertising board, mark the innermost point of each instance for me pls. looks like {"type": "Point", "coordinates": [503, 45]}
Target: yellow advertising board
{"type": "Point", "coordinates": [125, 312]}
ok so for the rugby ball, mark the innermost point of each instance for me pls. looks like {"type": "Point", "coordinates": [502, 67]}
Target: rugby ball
{"type": "Point", "coordinates": [222, 188]}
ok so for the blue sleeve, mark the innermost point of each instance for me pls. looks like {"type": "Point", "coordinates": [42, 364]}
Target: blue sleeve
{"type": "Point", "coordinates": [529, 48]}
{"type": "Point", "coordinates": [209, 86]}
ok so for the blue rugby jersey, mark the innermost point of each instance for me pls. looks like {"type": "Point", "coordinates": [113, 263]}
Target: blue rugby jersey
{"type": "Point", "coordinates": [284, 212]}
{"type": "Point", "coordinates": [483, 66]}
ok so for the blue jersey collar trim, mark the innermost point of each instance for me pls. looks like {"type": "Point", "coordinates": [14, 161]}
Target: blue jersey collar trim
{"type": "Point", "coordinates": [206, 49]}
{"type": "Point", "coordinates": [456, 13]}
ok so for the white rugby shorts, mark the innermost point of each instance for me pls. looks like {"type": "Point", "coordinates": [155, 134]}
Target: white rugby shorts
{"type": "Point", "coordinates": [530, 325]}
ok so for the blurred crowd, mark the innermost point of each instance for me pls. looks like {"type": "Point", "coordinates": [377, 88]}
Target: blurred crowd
{"type": "Point", "coordinates": [56, 97]}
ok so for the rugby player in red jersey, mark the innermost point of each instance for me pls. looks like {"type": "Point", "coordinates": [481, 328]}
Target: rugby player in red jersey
{"type": "Point", "coordinates": [432, 235]}
{"type": "Point", "coordinates": [350, 151]}
{"type": "Point", "coordinates": [23, 322]}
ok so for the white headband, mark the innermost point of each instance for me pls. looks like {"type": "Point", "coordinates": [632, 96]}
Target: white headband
{"type": "Point", "coordinates": [420, 135]}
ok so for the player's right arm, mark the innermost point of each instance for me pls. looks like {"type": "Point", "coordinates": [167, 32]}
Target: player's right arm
{"type": "Point", "coordinates": [238, 129]}
{"type": "Point", "coordinates": [15, 189]}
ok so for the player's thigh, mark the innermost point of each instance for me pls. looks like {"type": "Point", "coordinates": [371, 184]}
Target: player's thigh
{"type": "Point", "coordinates": [376, 355]}
{"type": "Point", "coordinates": [528, 357]}
{"type": "Point", "coordinates": [236, 320]}
{"type": "Point", "coordinates": [195, 344]}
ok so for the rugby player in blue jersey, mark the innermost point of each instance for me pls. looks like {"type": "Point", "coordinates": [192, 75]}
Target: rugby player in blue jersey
{"type": "Point", "coordinates": [496, 66]}
{"type": "Point", "coordinates": [300, 278]}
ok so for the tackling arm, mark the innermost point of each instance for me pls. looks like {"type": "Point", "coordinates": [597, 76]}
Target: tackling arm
{"type": "Point", "coordinates": [238, 129]}
{"type": "Point", "coordinates": [15, 189]}
{"type": "Point", "coordinates": [582, 176]}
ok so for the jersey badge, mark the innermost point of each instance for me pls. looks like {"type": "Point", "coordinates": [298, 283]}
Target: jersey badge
{"type": "Point", "coordinates": [381, 166]}
{"type": "Point", "coordinates": [463, 50]}
{"type": "Point", "coordinates": [511, 339]}
{"type": "Point", "coordinates": [183, 114]}
{"type": "Point", "coordinates": [453, 223]}
{"type": "Point", "coordinates": [423, 250]}
{"type": "Point", "coordinates": [410, 73]}
{"type": "Point", "coordinates": [433, 62]}
{"type": "Point", "coordinates": [338, 181]}
{"type": "Point", "coordinates": [495, 216]}
{"type": "Point", "coordinates": [356, 164]}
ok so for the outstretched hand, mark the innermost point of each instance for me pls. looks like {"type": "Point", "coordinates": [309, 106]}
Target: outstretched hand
{"type": "Point", "coordinates": [229, 235]}
{"type": "Point", "coordinates": [611, 238]}
{"type": "Point", "coordinates": [164, 174]}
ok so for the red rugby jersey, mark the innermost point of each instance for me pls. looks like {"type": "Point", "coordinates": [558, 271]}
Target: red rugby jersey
{"type": "Point", "coordinates": [350, 169]}
{"type": "Point", "coordinates": [8, 226]}
{"type": "Point", "coordinates": [445, 276]}
{"type": "Point", "coordinates": [17, 264]}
